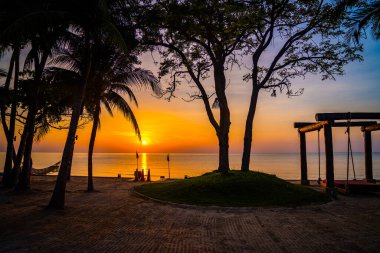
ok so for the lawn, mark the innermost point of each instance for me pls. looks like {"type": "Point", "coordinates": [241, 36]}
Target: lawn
{"type": "Point", "coordinates": [234, 189]}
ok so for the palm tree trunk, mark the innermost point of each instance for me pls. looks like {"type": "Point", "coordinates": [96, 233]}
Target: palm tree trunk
{"type": "Point", "coordinates": [24, 178]}
{"type": "Point", "coordinates": [20, 153]}
{"type": "Point", "coordinates": [12, 122]}
{"type": "Point", "coordinates": [58, 198]}
{"type": "Point", "coordinates": [90, 184]}
{"type": "Point", "coordinates": [248, 129]}
{"type": "Point", "coordinates": [3, 108]}
{"type": "Point", "coordinates": [5, 128]}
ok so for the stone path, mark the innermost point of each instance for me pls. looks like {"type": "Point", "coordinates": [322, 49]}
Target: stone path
{"type": "Point", "coordinates": [117, 220]}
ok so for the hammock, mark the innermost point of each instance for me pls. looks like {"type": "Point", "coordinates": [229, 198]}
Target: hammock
{"type": "Point", "coordinates": [44, 171]}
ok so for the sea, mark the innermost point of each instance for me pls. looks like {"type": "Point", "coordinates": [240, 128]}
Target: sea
{"type": "Point", "coordinates": [283, 165]}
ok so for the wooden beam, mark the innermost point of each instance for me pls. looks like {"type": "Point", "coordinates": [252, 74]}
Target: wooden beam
{"type": "Point", "coordinates": [329, 151]}
{"type": "Point", "coordinates": [303, 124]}
{"type": "Point", "coordinates": [371, 128]}
{"type": "Point", "coordinates": [368, 156]}
{"type": "Point", "coordinates": [337, 124]}
{"type": "Point", "coordinates": [354, 123]}
{"type": "Point", "coordinates": [347, 115]}
{"type": "Point", "coordinates": [304, 180]}
{"type": "Point", "coordinates": [314, 127]}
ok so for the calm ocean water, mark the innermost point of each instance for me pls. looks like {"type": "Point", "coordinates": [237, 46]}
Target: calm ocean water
{"type": "Point", "coordinates": [285, 166]}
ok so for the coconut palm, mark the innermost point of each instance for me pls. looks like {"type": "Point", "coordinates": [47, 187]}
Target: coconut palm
{"type": "Point", "coordinates": [9, 131]}
{"type": "Point", "coordinates": [108, 90]}
{"type": "Point", "coordinates": [37, 25]}
{"type": "Point", "coordinates": [112, 75]}
{"type": "Point", "coordinates": [92, 19]}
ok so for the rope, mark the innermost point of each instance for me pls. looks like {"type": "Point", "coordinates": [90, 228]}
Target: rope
{"type": "Point", "coordinates": [349, 150]}
{"type": "Point", "coordinates": [352, 161]}
{"type": "Point", "coordinates": [319, 158]}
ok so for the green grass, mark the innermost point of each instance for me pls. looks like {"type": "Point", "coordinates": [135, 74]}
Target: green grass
{"type": "Point", "coordinates": [233, 189]}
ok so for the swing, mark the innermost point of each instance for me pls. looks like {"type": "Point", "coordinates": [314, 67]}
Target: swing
{"type": "Point", "coordinates": [327, 121]}
{"type": "Point", "coordinates": [349, 154]}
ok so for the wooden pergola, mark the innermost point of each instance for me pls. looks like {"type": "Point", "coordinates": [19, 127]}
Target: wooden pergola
{"type": "Point", "coordinates": [327, 121]}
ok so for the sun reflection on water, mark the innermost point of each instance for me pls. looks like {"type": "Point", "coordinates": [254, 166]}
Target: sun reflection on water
{"type": "Point", "coordinates": [144, 162]}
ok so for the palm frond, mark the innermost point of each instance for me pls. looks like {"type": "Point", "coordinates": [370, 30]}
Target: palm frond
{"type": "Point", "coordinates": [29, 59]}
{"type": "Point", "coordinates": [124, 89]}
{"type": "Point", "coordinates": [114, 34]}
{"type": "Point", "coordinates": [66, 61]}
{"type": "Point", "coordinates": [26, 24]}
{"type": "Point", "coordinates": [107, 106]}
{"type": "Point", "coordinates": [142, 78]}
{"type": "Point", "coordinates": [42, 130]}
{"type": "Point", "coordinates": [99, 125]}
{"type": "Point", "coordinates": [62, 75]}
{"type": "Point", "coordinates": [118, 101]}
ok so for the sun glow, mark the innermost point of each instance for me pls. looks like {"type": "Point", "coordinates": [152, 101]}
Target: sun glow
{"type": "Point", "coordinates": [144, 142]}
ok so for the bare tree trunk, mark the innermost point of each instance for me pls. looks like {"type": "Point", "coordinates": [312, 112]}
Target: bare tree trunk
{"type": "Point", "coordinates": [12, 121]}
{"type": "Point", "coordinates": [223, 152]}
{"type": "Point", "coordinates": [248, 129]}
{"type": "Point", "coordinates": [90, 184]}
{"type": "Point", "coordinates": [58, 198]}
{"type": "Point", "coordinates": [223, 133]}
{"type": "Point", "coordinates": [224, 120]}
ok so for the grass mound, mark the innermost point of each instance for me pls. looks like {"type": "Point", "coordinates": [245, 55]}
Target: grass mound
{"type": "Point", "coordinates": [233, 189]}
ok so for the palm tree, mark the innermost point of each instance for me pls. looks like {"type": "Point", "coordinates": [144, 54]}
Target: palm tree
{"type": "Point", "coordinates": [367, 16]}
{"type": "Point", "coordinates": [49, 105]}
{"type": "Point", "coordinates": [92, 20]}
{"type": "Point", "coordinates": [115, 75]}
{"type": "Point", "coordinates": [14, 64]}
{"type": "Point", "coordinates": [33, 24]}
{"type": "Point", "coordinates": [112, 75]}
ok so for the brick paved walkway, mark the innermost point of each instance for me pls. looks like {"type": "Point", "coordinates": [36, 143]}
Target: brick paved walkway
{"type": "Point", "coordinates": [116, 220]}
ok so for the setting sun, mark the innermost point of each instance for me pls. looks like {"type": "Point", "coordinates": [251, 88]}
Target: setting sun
{"type": "Point", "coordinates": [144, 142]}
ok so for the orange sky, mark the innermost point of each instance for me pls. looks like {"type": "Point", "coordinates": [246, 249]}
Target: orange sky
{"type": "Point", "coordinates": [180, 126]}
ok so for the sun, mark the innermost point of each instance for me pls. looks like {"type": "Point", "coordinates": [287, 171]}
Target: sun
{"type": "Point", "coordinates": [144, 142]}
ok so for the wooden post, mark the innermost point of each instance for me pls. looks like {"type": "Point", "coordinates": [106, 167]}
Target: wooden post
{"type": "Point", "coordinates": [148, 177]}
{"type": "Point", "coordinates": [304, 180]}
{"type": "Point", "coordinates": [330, 187]}
{"type": "Point", "coordinates": [368, 156]}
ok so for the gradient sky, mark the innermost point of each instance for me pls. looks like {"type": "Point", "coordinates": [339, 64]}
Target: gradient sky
{"type": "Point", "coordinates": [180, 126]}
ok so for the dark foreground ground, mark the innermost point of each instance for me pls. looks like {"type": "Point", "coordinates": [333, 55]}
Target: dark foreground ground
{"type": "Point", "coordinates": [117, 220]}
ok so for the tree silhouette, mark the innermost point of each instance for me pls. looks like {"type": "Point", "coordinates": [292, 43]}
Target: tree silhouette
{"type": "Point", "coordinates": [196, 38]}
{"type": "Point", "coordinates": [112, 75]}
{"type": "Point", "coordinates": [290, 39]}
{"type": "Point", "coordinates": [92, 20]}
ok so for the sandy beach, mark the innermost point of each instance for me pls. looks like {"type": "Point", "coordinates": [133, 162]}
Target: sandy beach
{"type": "Point", "coordinates": [115, 219]}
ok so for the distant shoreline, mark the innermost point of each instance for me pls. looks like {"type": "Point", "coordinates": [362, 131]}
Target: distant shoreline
{"type": "Point", "coordinates": [202, 153]}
